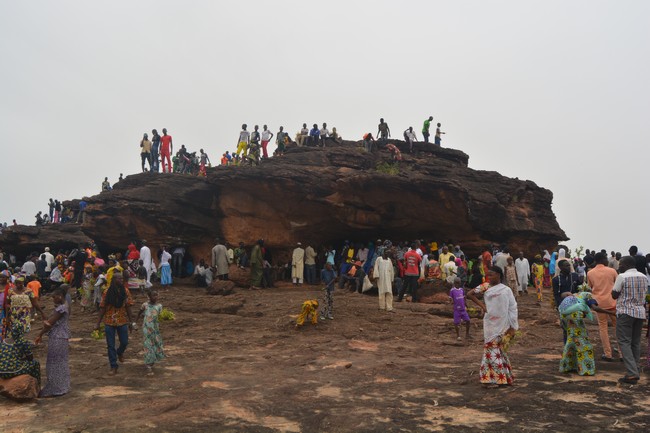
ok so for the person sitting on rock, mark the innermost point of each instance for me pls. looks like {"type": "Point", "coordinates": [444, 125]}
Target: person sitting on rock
{"type": "Point", "coordinates": [17, 358]}
{"type": "Point", "coordinates": [314, 135]}
{"type": "Point", "coordinates": [106, 186]}
{"type": "Point", "coordinates": [302, 135]}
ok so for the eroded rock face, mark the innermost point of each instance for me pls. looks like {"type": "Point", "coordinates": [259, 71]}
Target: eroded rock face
{"type": "Point", "coordinates": [323, 196]}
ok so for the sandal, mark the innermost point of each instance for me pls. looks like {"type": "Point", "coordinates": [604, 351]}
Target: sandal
{"type": "Point", "coordinates": [606, 358]}
{"type": "Point", "coordinates": [628, 380]}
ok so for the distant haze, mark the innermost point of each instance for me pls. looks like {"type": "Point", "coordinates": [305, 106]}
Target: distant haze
{"type": "Point", "coordinates": [552, 91]}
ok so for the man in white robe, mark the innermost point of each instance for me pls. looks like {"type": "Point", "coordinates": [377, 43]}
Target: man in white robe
{"type": "Point", "coordinates": [298, 264]}
{"type": "Point", "coordinates": [383, 274]}
{"type": "Point", "coordinates": [220, 260]}
{"type": "Point", "coordinates": [523, 272]}
{"type": "Point", "coordinates": [147, 262]}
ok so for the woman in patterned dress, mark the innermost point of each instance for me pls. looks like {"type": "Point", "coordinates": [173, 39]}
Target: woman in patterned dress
{"type": "Point", "coordinates": [153, 343]}
{"type": "Point", "coordinates": [16, 357]}
{"type": "Point", "coordinates": [578, 353]}
{"type": "Point", "coordinates": [19, 304]}
{"type": "Point", "coordinates": [499, 320]}
{"type": "Point", "coordinates": [57, 368]}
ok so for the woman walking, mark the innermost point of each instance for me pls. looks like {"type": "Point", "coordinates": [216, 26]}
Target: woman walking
{"type": "Point", "coordinates": [115, 311]}
{"type": "Point", "coordinates": [57, 368]}
{"type": "Point", "coordinates": [153, 343]}
{"type": "Point", "coordinates": [499, 321]}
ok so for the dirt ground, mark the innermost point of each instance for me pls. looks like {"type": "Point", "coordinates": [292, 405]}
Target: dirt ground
{"type": "Point", "coordinates": [237, 364]}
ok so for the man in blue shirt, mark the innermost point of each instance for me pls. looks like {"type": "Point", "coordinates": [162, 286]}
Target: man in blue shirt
{"type": "Point", "coordinates": [314, 135]}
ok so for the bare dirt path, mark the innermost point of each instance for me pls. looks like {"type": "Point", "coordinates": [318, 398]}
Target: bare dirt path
{"type": "Point", "coordinates": [237, 364]}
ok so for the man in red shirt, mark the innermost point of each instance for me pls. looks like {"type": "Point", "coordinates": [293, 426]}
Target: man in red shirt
{"type": "Point", "coordinates": [601, 279]}
{"type": "Point", "coordinates": [411, 275]}
{"type": "Point", "coordinates": [166, 149]}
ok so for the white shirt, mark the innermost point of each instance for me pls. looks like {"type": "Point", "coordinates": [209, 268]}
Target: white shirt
{"type": "Point", "coordinates": [244, 136]}
{"type": "Point", "coordinates": [411, 135]}
{"type": "Point", "coordinates": [49, 259]}
{"type": "Point", "coordinates": [266, 135]}
{"type": "Point", "coordinates": [29, 268]}
{"type": "Point", "coordinates": [304, 131]}
{"type": "Point", "coordinates": [324, 132]}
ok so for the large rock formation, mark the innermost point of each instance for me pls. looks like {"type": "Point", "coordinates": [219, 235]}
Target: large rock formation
{"type": "Point", "coordinates": [319, 196]}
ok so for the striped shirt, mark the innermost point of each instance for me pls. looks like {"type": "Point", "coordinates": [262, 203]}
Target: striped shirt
{"type": "Point", "coordinates": [632, 286]}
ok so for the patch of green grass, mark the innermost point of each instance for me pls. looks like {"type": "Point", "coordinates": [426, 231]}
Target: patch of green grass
{"type": "Point", "coordinates": [388, 168]}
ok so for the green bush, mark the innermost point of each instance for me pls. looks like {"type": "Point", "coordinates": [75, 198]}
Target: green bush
{"type": "Point", "coordinates": [388, 168]}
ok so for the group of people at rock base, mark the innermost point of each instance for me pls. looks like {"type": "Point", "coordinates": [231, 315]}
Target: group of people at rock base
{"type": "Point", "coordinates": [575, 296]}
{"type": "Point", "coordinates": [105, 287]}
{"type": "Point", "coordinates": [617, 297]}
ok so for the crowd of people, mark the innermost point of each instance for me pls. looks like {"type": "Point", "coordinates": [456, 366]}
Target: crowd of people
{"type": "Point", "coordinates": [613, 287]}
{"type": "Point", "coordinates": [253, 146]}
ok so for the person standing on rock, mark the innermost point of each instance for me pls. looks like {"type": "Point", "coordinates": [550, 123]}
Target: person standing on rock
{"type": "Point", "coordinates": [500, 322]}
{"type": "Point", "coordinates": [437, 138]}
{"type": "Point", "coordinates": [298, 264]}
{"type": "Point", "coordinates": [629, 291]}
{"type": "Point", "coordinates": [383, 274]}
{"type": "Point", "coordinates": [145, 151]}
{"type": "Point", "coordinates": [50, 206]}
{"type": "Point", "coordinates": [383, 131]}
{"type": "Point", "coordinates": [147, 260]}
{"type": "Point", "coordinates": [155, 149]}
{"type": "Point", "coordinates": [310, 265]}
{"type": "Point", "coordinates": [266, 139]}
{"type": "Point", "coordinates": [410, 138]}
{"type": "Point", "coordinates": [244, 140]}
{"type": "Point", "coordinates": [220, 260]}
{"type": "Point", "coordinates": [425, 129]}
{"type": "Point", "coordinates": [279, 141]}
{"type": "Point", "coordinates": [166, 150]}
{"type": "Point", "coordinates": [257, 264]}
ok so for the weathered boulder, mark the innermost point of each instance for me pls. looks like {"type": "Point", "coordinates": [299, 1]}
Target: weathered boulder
{"type": "Point", "coordinates": [221, 288]}
{"type": "Point", "coordinates": [21, 388]}
{"type": "Point", "coordinates": [319, 196]}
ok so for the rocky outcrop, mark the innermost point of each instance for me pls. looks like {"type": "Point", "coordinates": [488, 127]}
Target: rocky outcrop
{"type": "Point", "coordinates": [321, 196]}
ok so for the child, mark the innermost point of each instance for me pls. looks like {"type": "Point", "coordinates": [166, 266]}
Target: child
{"type": "Point", "coordinates": [142, 276]}
{"type": "Point", "coordinates": [538, 277]}
{"type": "Point", "coordinates": [309, 307]}
{"type": "Point", "coordinates": [87, 288]}
{"type": "Point", "coordinates": [153, 343]}
{"type": "Point", "coordinates": [35, 287]}
{"type": "Point", "coordinates": [328, 276]}
{"type": "Point", "coordinates": [457, 295]}
{"type": "Point", "coordinates": [100, 282]}
{"type": "Point", "coordinates": [511, 276]}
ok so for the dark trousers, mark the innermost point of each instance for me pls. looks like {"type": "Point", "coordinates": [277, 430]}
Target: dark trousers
{"type": "Point", "coordinates": [310, 274]}
{"type": "Point", "coordinates": [426, 136]}
{"type": "Point", "coordinates": [177, 265]}
{"type": "Point", "coordinates": [411, 286]}
{"type": "Point", "coordinates": [123, 335]}
{"type": "Point", "coordinates": [628, 334]}
{"type": "Point", "coordinates": [154, 161]}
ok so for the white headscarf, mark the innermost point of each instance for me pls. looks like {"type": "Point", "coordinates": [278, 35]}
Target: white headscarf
{"type": "Point", "coordinates": [501, 312]}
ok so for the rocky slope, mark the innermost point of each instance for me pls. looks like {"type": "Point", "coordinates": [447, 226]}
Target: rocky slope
{"type": "Point", "coordinates": [317, 196]}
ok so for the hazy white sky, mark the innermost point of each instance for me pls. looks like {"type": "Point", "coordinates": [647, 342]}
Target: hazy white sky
{"type": "Point", "coordinates": [552, 91]}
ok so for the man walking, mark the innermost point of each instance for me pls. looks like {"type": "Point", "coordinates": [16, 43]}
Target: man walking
{"type": "Point", "coordinates": [425, 129]}
{"type": "Point", "coordinates": [383, 274]}
{"type": "Point", "coordinates": [629, 291]}
{"type": "Point", "coordinates": [410, 138]}
{"type": "Point", "coordinates": [383, 131]}
{"type": "Point", "coordinates": [523, 272]}
{"type": "Point", "coordinates": [601, 279]}
{"type": "Point", "coordinates": [147, 262]}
